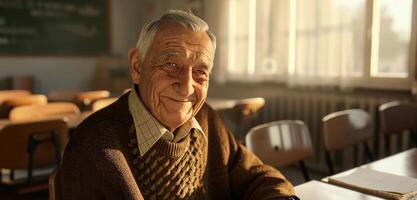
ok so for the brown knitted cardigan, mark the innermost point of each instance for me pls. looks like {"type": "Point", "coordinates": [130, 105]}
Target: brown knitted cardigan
{"type": "Point", "coordinates": [97, 162]}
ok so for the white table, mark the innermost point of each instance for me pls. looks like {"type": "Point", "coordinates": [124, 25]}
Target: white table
{"type": "Point", "coordinates": [316, 190]}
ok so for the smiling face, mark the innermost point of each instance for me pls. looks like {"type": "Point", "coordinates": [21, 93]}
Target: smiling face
{"type": "Point", "coordinates": [173, 77]}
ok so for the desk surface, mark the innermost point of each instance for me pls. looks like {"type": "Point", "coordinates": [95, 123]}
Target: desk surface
{"type": "Point", "coordinates": [323, 191]}
{"type": "Point", "coordinates": [73, 120]}
{"type": "Point", "coordinates": [402, 164]}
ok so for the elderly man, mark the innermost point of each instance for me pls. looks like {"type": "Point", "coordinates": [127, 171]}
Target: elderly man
{"type": "Point", "coordinates": [160, 141]}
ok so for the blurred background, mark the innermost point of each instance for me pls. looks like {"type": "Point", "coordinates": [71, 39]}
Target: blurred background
{"type": "Point", "coordinates": [331, 44]}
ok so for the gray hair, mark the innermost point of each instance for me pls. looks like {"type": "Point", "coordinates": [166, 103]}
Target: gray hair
{"type": "Point", "coordinates": [184, 18]}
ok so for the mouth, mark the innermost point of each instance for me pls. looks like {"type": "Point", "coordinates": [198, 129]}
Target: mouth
{"type": "Point", "coordinates": [179, 100]}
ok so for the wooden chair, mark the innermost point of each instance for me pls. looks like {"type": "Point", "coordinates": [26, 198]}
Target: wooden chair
{"type": "Point", "coordinates": [243, 113]}
{"type": "Point", "coordinates": [32, 145]}
{"type": "Point", "coordinates": [11, 102]}
{"type": "Point", "coordinates": [5, 94]}
{"type": "Point", "coordinates": [101, 103]}
{"type": "Point", "coordinates": [32, 112]}
{"type": "Point", "coordinates": [395, 118]}
{"type": "Point", "coordinates": [35, 99]}
{"type": "Point", "coordinates": [88, 97]}
{"type": "Point", "coordinates": [55, 185]}
{"type": "Point", "coordinates": [281, 143]}
{"type": "Point", "coordinates": [344, 129]}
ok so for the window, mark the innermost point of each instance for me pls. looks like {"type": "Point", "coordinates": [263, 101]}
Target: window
{"type": "Point", "coordinates": [392, 37]}
{"type": "Point", "coordinates": [320, 42]}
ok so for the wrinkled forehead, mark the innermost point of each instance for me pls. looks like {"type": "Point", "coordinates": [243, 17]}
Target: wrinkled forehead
{"type": "Point", "coordinates": [174, 35]}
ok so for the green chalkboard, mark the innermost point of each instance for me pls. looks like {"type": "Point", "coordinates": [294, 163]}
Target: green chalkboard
{"type": "Point", "coordinates": [54, 27]}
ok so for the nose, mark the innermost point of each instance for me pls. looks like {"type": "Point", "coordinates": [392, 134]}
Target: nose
{"type": "Point", "coordinates": [186, 82]}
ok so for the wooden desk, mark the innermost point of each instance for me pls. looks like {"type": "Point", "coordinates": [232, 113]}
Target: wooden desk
{"type": "Point", "coordinates": [73, 120]}
{"type": "Point", "coordinates": [323, 191]}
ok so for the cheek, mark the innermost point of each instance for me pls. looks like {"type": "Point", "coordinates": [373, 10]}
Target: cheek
{"type": "Point", "coordinates": [152, 85]}
{"type": "Point", "coordinates": [159, 85]}
{"type": "Point", "coordinates": [201, 94]}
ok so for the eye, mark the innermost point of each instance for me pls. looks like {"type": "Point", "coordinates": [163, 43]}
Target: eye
{"type": "Point", "coordinates": [201, 74]}
{"type": "Point", "coordinates": [170, 67]}
{"type": "Point", "coordinates": [171, 64]}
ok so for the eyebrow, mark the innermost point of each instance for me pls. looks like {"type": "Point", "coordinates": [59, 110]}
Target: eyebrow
{"type": "Point", "coordinates": [206, 66]}
{"type": "Point", "coordinates": [170, 52]}
{"type": "Point", "coordinates": [167, 53]}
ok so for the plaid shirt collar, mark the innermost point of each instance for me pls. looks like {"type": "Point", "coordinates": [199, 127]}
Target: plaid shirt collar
{"type": "Point", "coordinates": [149, 130]}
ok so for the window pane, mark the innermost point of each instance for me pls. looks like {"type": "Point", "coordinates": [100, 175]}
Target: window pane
{"type": "Point", "coordinates": [238, 37]}
{"type": "Point", "coordinates": [394, 37]}
{"type": "Point", "coordinates": [272, 28]}
{"type": "Point", "coordinates": [353, 35]}
{"type": "Point", "coordinates": [330, 39]}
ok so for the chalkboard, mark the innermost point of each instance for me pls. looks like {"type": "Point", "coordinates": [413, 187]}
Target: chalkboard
{"type": "Point", "coordinates": [54, 27]}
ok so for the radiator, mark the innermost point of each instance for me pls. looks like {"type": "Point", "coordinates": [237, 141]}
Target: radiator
{"type": "Point", "coordinates": [311, 107]}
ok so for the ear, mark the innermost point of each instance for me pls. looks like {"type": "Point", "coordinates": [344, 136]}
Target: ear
{"type": "Point", "coordinates": [134, 62]}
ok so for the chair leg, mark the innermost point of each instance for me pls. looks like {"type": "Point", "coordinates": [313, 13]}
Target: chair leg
{"type": "Point", "coordinates": [32, 142]}
{"type": "Point", "coordinates": [387, 144]}
{"type": "Point", "coordinates": [11, 175]}
{"type": "Point", "coordinates": [377, 135]}
{"type": "Point", "coordinates": [304, 170]}
{"type": "Point", "coordinates": [55, 139]}
{"type": "Point", "coordinates": [399, 142]}
{"type": "Point", "coordinates": [355, 155]}
{"type": "Point", "coordinates": [329, 163]}
{"type": "Point", "coordinates": [368, 152]}
{"type": "Point", "coordinates": [413, 137]}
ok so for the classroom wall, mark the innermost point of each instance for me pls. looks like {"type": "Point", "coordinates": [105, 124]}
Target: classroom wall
{"type": "Point", "coordinates": [52, 73]}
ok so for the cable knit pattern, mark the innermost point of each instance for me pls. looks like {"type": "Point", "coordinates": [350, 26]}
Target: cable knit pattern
{"type": "Point", "coordinates": [172, 170]}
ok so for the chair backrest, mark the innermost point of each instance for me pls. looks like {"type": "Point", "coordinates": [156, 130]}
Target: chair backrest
{"type": "Point", "coordinates": [88, 97]}
{"type": "Point", "coordinates": [396, 117]}
{"type": "Point", "coordinates": [101, 103]}
{"type": "Point", "coordinates": [346, 128]}
{"type": "Point", "coordinates": [243, 113]}
{"type": "Point", "coordinates": [246, 107]}
{"type": "Point", "coordinates": [280, 143]}
{"type": "Point", "coordinates": [55, 185]}
{"type": "Point", "coordinates": [11, 102]}
{"type": "Point", "coordinates": [17, 140]}
{"type": "Point", "coordinates": [35, 99]}
{"type": "Point", "coordinates": [33, 112]}
{"type": "Point", "coordinates": [5, 94]}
